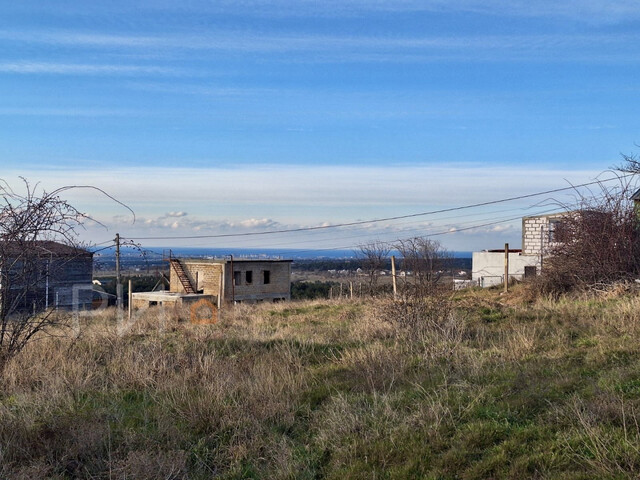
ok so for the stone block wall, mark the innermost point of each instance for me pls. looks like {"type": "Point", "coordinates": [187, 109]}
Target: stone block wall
{"type": "Point", "coordinates": [278, 288]}
{"type": "Point", "coordinates": [251, 274]}
{"type": "Point", "coordinates": [204, 276]}
{"type": "Point", "coordinates": [536, 233]}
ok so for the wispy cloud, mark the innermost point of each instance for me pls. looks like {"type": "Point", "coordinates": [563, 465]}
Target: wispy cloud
{"type": "Point", "coordinates": [332, 186]}
{"type": "Point", "coordinates": [250, 41]}
{"type": "Point", "coordinates": [189, 224]}
{"type": "Point", "coordinates": [27, 67]}
{"type": "Point", "coordinates": [189, 201]}
{"type": "Point", "coordinates": [65, 112]}
{"type": "Point", "coordinates": [580, 10]}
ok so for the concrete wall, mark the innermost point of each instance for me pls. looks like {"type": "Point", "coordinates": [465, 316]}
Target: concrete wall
{"type": "Point", "coordinates": [58, 281]}
{"type": "Point", "coordinates": [143, 300]}
{"type": "Point", "coordinates": [278, 288]}
{"type": "Point", "coordinates": [208, 275]}
{"type": "Point", "coordinates": [67, 276]}
{"type": "Point", "coordinates": [204, 276]}
{"type": "Point", "coordinates": [536, 233]}
{"type": "Point", "coordinates": [488, 267]}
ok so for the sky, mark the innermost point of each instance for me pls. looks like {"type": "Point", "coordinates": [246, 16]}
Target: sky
{"type": "Point", "coordinates": [224, 117]}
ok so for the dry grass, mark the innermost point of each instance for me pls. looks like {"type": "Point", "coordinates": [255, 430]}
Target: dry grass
{"type": "Point", "coordinates": [476, 386]}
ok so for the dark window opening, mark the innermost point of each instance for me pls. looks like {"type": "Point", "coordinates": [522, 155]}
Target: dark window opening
{"type": "Point", "coordinates": [237, 278]}
{"type": "Point", "coordinates": [266, 276]}
{"type": "Point", "coordinates": [248, 276]}
{"type": "Point", "coordinates": [556, 231]}
{"type": "Point", "coordinates": [530, 271]}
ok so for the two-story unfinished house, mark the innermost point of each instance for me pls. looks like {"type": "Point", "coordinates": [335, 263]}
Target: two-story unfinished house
{"type": "Point", "coordinates": [38, 275]}
{"type": "Point", "coordinates": [222, 281]}
{"type": "Point", "coordinates": [539, 234]}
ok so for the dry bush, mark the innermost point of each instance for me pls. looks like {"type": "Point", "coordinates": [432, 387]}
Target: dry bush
{"type": "Point", "coordinates": [65, 401]}
{"type": "Point", "coordinates": [608, 452]}
{"type": "Point", "coordinates": [596, 245]}
{"type": "Point", "coordinates": [430, 322]}
{"type": "Point", "coordinates": [145, 465]}
{"type": "Point", "coordinates": [426, 260]}
{"type": "Point", "coordinates": [374, 255]}
{"type": "Point", "coordinates": [378, 367]}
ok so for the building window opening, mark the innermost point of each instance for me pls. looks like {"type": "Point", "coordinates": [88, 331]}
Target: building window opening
{"type": "Point", "coordinates": [556, 231]}
{"type": "Point", "coordinates": [266, 276]}
{"type": "Point", "coordinates": [237, 278]}
{"type": "Point", "coordinates": [248, 277]}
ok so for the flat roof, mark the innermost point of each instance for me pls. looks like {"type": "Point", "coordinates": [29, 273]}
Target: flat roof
{"type": "Point", "coordinates": [44, 248]}
{"type": "Point", "coordinates": [167, 295]}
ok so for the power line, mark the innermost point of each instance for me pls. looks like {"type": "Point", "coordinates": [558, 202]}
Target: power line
{"type": "Point", "coordinates": [104, 248]}
{"type": "Point", "coordinates": [377, 220]}
{"type": "Point", "coordinates": [444, 232]}
{"type": "Point", "coordinates": [453, 229]}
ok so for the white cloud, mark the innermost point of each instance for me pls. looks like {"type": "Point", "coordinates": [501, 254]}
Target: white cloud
{"type": "Point", "coordinates": [66, 112]}
{"type": "Point", "coordinates": [611, 47]}
{"type": "Point", "coordinates": [261, 198]}
{"type": "Point", "coordinates": [28, 67]}
{"type": "Point", "coordinates": [328, 185]}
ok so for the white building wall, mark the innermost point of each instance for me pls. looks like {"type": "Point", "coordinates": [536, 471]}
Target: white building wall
{"type": "Point", "coordinates": [536, 234]}
{"type": "Point", "coordinates": [488, 267]}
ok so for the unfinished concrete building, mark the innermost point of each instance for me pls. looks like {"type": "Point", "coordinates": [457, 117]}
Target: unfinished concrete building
{"type": "Point", "coordinates": [539, 235]}
{"type": "Point", "coordinates": [222, 281]}
{"type": "Point", "coordinates": [45, 274]}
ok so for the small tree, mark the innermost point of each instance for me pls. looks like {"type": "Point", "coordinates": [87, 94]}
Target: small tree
{"type": "Point", "coordinates": [426, 260]}
{"type": "Point", "coordinates": [27, 221]}
{"type": "Point", "coordinates": [374, 258]}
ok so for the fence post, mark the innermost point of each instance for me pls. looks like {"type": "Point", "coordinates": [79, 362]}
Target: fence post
{"type": "Point", "coordinates": [506, 267]}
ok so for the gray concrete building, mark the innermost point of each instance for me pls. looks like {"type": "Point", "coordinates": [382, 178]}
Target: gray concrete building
{"type": "Point", "coordinates": [222, 281]}
{"type": "Point", "coordinates": [44, 274]}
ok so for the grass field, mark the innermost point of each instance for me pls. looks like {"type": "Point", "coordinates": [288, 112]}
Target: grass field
{"type": "Point", "coordinates": [477, 386]}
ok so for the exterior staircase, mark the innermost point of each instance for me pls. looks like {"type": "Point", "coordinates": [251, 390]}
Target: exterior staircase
{"type": "Point", "coordinates": [182, 275]}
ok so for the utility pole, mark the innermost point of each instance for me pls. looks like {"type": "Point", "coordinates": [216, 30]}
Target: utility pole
{"type": "Point", "coordinates": [130, 299]}
{"type": "Point", "coordinates": [119, 304]}
{"type": "Point", "coordinates": [506, 267]}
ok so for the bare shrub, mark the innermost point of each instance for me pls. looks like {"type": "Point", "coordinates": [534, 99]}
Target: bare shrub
{"type": "Point", "coordinates": [611, 453]}
{"type": "Point", "coordinates": [374, 256]}
{"type": "Point", "coordinates": [596, 245]}
{"type": "Point", "coordinates": [29, 223]}
{"type": "Point", "coordinates": [430, 322]}
{"type": "Point", "coordinates": [424, 262]}
{"type": "Point", "coordinates": [145, 465]}
{"type": "Point", "coordinates": [379, 367]}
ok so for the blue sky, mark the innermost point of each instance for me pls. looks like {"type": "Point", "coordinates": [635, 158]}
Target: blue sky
{"type": "Point", "coordinates": [214, 117]}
